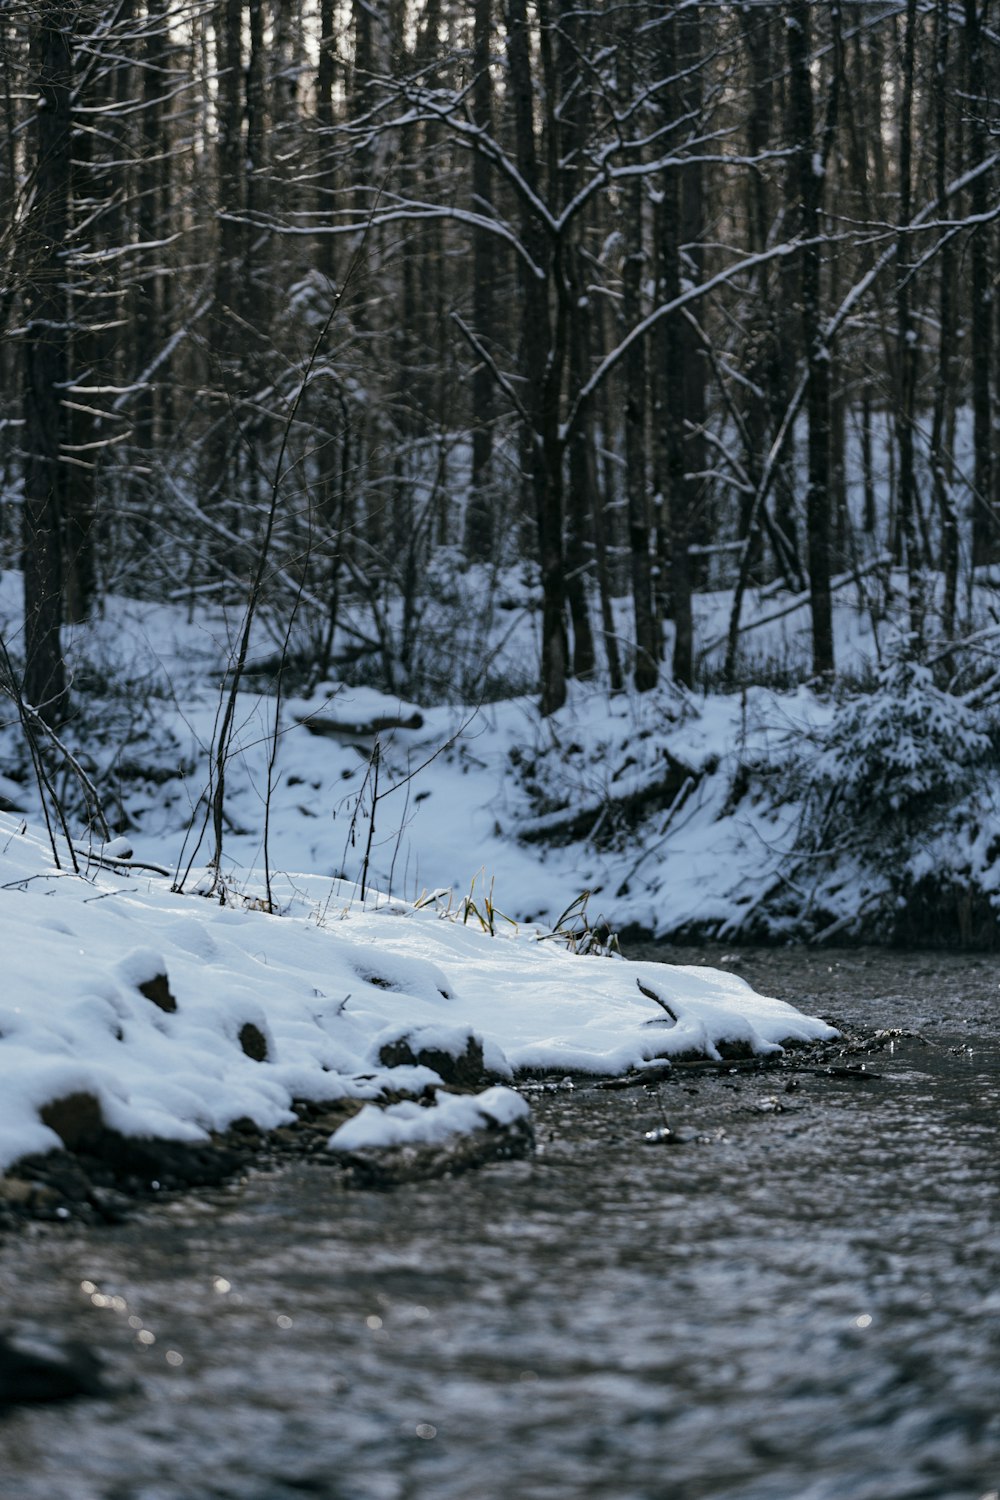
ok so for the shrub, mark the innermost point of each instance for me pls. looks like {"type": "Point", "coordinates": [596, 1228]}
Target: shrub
{"type": "Point", "coordinates": [892, 759]}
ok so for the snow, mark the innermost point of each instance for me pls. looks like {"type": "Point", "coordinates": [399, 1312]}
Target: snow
{"type": "Point", "coordinates": [463, 784]}
{"type": "Point", "coordinates": [353, 710]}
{"type": "Point", "coordinates": [422, 904]}
{"type": "Point", "coordinates": [407, 1124]}
{"type": "Point", "coordinates": [450, 804]}
{"type": "Point", "coordinates": [327, 983]}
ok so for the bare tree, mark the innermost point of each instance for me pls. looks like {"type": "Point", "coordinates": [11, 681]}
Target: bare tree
{"type": "Point", "coordinates": [45, 359]}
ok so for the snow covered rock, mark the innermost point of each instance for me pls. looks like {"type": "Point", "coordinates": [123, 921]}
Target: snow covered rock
{"type": "Point", "coordinates": [454, 1054]}
{"type": "Point", "coordinates": [409, 1142]}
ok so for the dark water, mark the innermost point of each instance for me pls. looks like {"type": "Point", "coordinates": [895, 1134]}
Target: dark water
{"type": "Point", "coordinates": [795, 1304]}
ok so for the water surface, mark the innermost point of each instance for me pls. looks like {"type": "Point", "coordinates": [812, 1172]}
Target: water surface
{"type": "Point", "coordinates": [800, 1301]}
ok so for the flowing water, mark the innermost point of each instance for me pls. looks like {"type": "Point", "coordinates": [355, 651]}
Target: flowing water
{"type": "Point", "coordinates": [795, 1297]}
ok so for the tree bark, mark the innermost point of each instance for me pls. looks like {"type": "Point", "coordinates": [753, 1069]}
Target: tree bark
{"type": "Point", "coordinates": [985, 521]}
{"type": "Point", "coordinates": [326, 177]}
{"type": "Point", "coordinates": [479, 532]}
{"type": "Point", "coordinates": [809, 186]}
{"type": "Point", "coordinates": [943, 387]}
{"type": "Point", "coordinates": [906, 353]}
{"type": "Point", "coordinates": [646, 671]}
{"type": "Point", "coordinates": [567, 145]}
{"type": "Point", "coordinates": [217, 465]}
{"type": "Point", "coordinates": [543, 348]}
{"type": "Point", "coordinates": [45, 361]}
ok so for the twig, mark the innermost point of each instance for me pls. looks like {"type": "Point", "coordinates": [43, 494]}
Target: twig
{"type": "Point", "coordinates": [657, 1000]}
{"type": "Point", "coordinates": [119, 866]}
{"type": "Point", "coordinates": [376, 756]}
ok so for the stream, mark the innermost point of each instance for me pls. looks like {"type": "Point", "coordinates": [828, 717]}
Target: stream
{"type": "Point", "coordinates": [794, 1295]}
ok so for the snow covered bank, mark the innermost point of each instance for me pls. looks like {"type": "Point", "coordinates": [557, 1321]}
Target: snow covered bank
{"type": "Point", "coordinates": [175, 1016]}
{"type": "Point", "coordinates": [756, 815]}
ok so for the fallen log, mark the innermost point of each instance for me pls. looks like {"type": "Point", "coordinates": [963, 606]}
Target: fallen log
{"type": "Point", "coordinates": [566, 825]}
{"type": "Point", "coordinates": [333, 728]}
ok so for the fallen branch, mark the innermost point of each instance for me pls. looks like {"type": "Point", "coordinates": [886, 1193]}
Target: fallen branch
{"type": "Point", "coordinates": [567, 824]}
{"type": "Point", "coordinates": [799, 601]}
{"type": "Point", "coordinates": [119, 866]}
{"type": "Point", "coordinates": [657, 1000]}
{"type": "Point", "coordinates": [326, 724]}
{"type": "Point", "coordinates": [658, 1071]}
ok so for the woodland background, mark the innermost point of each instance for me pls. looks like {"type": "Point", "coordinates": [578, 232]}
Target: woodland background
{"type": "Point", "coordinates": [637, 299]}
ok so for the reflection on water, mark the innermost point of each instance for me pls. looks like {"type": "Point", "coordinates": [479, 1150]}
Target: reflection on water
{"type": "Point", "coordinates": [771, 1303]}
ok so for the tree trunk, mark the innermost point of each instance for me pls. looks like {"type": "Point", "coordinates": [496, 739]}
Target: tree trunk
{"type": "Point", "coordinates": [45, 361]}
{"type": "Point", "coordinates": [217, 466]}
{"type": "Point", "coordinates": [809, 180]}
{"type": "Point", "coordinates": [647, 646]}
{"type": "Point", "coordinates": [566, 85]}
{"type": "Point", "coordinates": [479, 537]}
{"type": "Point", "coordinates": [674, 383]}
{"type": "Point", "coordinates": [646, 671]}
{"type": "Point", "coordinates": [757, 35]}
{"type": "Point", "coordinates": [152, 213]}
{"type": "Point", "coordinates": [985, 522]}
{"type": "Point", "coordinates": [692, 232]}
{"type": "Point", "coordinates": [906, 353]}
{"type": "Point", "coordinates": [543, 350]}
{"type": "Point", "coordinates": [943, 388]}
{"type": "Point", "coordinates": [326, 177]}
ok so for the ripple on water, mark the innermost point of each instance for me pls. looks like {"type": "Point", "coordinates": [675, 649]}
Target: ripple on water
{"type": "Point", "coordinates": [790, 1306]}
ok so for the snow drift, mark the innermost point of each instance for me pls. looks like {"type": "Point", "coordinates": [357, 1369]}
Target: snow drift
{"type": "Point", "coordinates": [179, 1015]}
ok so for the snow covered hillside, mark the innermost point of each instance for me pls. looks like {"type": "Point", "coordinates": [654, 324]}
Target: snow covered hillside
{"type": "Point", "coordinates": [766, 813]}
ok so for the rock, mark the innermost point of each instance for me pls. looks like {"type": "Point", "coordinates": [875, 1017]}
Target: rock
{"type": "Point", "coordinates": [461, 1070]}
{"type": "Point", "coordinates": [58, 1179]}
{"type": "Point", "coordinates": [144, 969]}
{"type": "Point", "coordinates": [16, 1190]}
{"type": "Point", "coordinates": [38, 1370]}
{"type": "Point", "coordinates": [109, 1206]}
{"type": "Point", "coordinates": [104, 1165]}
{"type": "Point", "coordinates": [735, 1051]}
{"type": "Point", "coordinates": [142, 1165]}
{"type": "Point", "coordinates": [76, 1120]}
{"type": "Point", "coordinates": [324, 1119]}
{"type": "Point", "coordinates": [393, 1166]}
{"type": "Point", "coordinates": [254, 1042]}
{"type": "Point", "coordinates": [157, 990]}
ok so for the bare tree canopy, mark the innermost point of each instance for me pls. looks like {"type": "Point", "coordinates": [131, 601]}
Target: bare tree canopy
{"type": "Point", "coordinates": [626, 295]}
